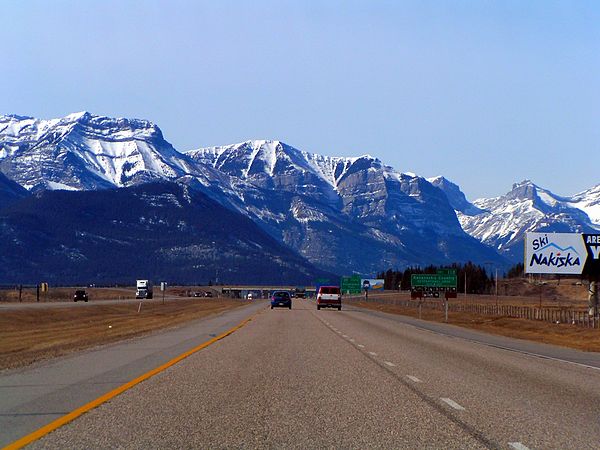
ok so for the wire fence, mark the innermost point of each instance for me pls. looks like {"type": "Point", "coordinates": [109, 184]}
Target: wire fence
{"type": "Point", "coordinates": [552, 315]}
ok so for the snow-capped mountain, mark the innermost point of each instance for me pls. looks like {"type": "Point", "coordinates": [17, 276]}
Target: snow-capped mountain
{"type": "Point", "coordinates": [589, 202]}
{"type": "Point", "coordinates": [83, 151]}
{"type": "Point", "coordinates": [456, 197]}
{"type": "Point", "coordinates": [345, 214]}
{"type": "Point", "coordinates": [502, 222]}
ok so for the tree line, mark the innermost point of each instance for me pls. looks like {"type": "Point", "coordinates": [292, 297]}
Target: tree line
{"type": "Point", "coordinates": [477, 279]}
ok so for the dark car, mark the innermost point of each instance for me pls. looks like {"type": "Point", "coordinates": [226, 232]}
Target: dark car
{"type": "Point", "coordinates": [208, 294]}
{"type": "Point", "coordinates": [281, 298]}
{"type": "Point", "coordinates": [197, 294]}
{"type": "Point", "coordinates": [80, 294]}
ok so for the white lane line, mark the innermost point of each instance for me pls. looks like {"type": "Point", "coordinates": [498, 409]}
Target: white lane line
{"type": "Point", "coordinates": [413, 378]}
{"type": "Point", "coordinates": [372, 353]}
{"type": "Point", "coordinates": [344, 335]}
{"type": "Point", "coordinates": [361, 346]}
{"type": "Point", "coordinates": [338, 332]}
{"type": "Point", "coordinates": [351, 340]}
{"type": "Point", "coordinates": [391, 364]}
{"type": "Point", "coordinates": [518, 446]}
{"type": "Point", "coordinates": [452, 403]}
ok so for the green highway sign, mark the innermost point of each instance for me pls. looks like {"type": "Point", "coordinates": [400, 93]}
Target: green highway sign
{"type": "Point", "coordinates": [351, 285]}
{"type": "Point", "coordinates": [446, 272]}
{"type": "Point", "coordinates": [433, 280]}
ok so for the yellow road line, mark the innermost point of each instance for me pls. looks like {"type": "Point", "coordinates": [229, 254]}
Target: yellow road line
{"type": "Point", "coordinates": [41, 432]}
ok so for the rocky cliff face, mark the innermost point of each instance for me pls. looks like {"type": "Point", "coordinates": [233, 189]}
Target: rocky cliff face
{"type": "Point", "coordinates": [502, 222]}
{"type": "Point", "coordinates": [82, 151]}
{"type": "Point", "coordinates": [345, 214]}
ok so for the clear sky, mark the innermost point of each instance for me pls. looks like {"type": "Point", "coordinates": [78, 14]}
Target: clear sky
{"type": "Point", "coordinates": [485, 93]}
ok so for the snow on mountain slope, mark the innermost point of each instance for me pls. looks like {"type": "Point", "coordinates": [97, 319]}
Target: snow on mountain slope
{"type": "Point", "coordinates": [83, 151]}
{"type": "Point", "coordinates": [589, 202]}
{"type": "Point", "coordinates": [503, 221]}
{"type": "Point", "coordinates": [315, 203]}
{"type": "Point", "coordinates": [455, 196]}
{"type": "Point", "coordinates": [343, 214]}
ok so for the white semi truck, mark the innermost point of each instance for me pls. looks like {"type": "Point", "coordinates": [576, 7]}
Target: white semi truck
{"type": "Point", "coordinates": [143, 289]}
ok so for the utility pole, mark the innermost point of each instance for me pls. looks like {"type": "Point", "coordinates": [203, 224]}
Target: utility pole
{"type": "Point", "coordinates": [593, 298]}
{"type": "Point", "coordinates": [496, 287]}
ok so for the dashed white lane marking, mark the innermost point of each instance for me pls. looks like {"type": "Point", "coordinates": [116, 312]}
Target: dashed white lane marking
{"type": "Point", "coordinates": [372, 353]}
{"type": "Point", "coordinates": [518, 446]}
{"type": "Point", "coordinates": [452, 403]}
{"type": "Point", "coordinates": [351, 340]}
{"type": "Point", "coordinates": [391, 364]}
{"type": "Point", "coordinates": [412, 378]}
{"type": "Point", "coordinates": [338, 332]}
{"type": "Point", "coordinates": [361, 346]}
{"type": "Point", "coordinates": [344, 335]}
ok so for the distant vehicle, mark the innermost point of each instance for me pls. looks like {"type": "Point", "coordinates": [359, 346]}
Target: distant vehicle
{"type": "Point", "coordinates": [198, 294]}
{"type": "Point", "coordinates": [281, 298]}
{"type": "Point", "coordinates": [144, 289]}
{"type": "Point", "coordinates": [80, 294]}
{"type": "Point", "coordinates": [329, 297]}
{"type": "Point", "coordinates": [249, 296]}
{"type": "Point", "coordinates": [300, 293]}
{"type": "Point", "coordinates": [208, 294]}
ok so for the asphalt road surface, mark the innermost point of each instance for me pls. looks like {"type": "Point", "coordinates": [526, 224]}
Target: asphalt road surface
{"type": "Point", "coordinates": [33, 396]}
{"type": "Point", "coordinates": [351, 379]}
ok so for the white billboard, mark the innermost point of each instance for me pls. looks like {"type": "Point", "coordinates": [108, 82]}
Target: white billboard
{"type": "Point", "coordinates": [558, 253]}
{"type": "Point", "coordinates": [372, 284]}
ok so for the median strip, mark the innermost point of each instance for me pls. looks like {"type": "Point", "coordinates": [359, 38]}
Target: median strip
{"type": "Point", "coordinates": [46, 429]}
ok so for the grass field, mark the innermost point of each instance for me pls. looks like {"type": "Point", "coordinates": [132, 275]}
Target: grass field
{"type": "Point", "coordinates": [61, 294]}
{"type": "Point", "coordinates": [565, 335]}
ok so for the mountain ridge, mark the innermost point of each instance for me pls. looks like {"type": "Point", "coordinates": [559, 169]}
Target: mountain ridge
{"type": "Point", "coordinates": [345, 214]}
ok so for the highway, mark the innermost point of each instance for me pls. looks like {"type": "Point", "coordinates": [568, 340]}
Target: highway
{"type": "Point", "coordinates": [351, 379]}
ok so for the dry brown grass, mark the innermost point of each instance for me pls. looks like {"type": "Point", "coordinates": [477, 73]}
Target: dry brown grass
{"type": "Point", "coordinates": [30, 335]}
{"type": "Point", "coordinates": [61, 294]}
{"type": "Point", "coordinates": [565, 335]}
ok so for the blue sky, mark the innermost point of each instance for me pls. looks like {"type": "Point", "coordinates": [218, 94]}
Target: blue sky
{"type": "Point", "coordinates": [485, 93]}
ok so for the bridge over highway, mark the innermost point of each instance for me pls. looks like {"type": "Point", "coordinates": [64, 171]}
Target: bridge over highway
{"type": "Point", "coordinates": [239, 291]}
